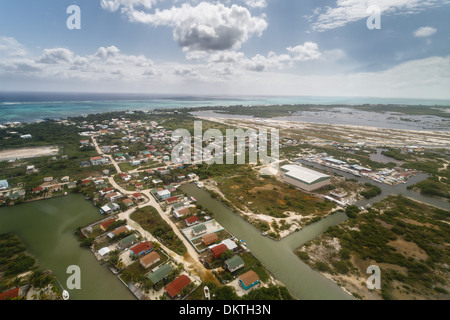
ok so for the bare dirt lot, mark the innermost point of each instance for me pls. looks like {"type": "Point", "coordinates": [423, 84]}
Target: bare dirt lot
{"type": "Point", "coordinates": [25, 153]}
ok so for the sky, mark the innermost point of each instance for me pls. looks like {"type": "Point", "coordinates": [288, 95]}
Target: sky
{"type": "Point", "coordinates": [351, 48]}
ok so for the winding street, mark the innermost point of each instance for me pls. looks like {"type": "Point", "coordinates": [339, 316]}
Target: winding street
{"type": "Point", "coordinates": [191, 259]}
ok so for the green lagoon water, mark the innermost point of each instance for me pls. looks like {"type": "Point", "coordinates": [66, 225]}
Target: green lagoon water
{"type": "Point", "coordinates": [47, 229]}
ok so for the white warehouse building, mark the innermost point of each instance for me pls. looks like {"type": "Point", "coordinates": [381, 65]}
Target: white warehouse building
{"type": "Point", "coordinates": [304, 178]}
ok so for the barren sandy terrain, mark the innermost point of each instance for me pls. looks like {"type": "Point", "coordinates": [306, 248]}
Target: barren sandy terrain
{"type": "Point", "coordinates": [25, 153]}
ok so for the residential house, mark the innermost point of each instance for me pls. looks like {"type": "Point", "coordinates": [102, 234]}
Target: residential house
{"type": "Point", "coordinates": [217, 250]}
{"type": "Point", "coordinates": [10, 294]}
{"type": "Point", "coordinates": [56, 188]}
{"type": "Point", "coordinates": [139, 186]}
{"type": "Point", "coordinates": [234, 263]}
{"type": "Point", "coordinates": [180, 213]}
{"type": "Point", "coordinates": [172, 200]}
{"type": "Point", "coordinates": [16, 195]}
{"type": "Point", "coordinates": [163, 172]}
{"type": "Point", "coordinates": [210, 239]}
{"type": "Point", "coordinates": [160, 274]}
{"type": "Point", "coordinates": [106, 191]}
{"type": "Point", "coordinates": [118, 231]}
{"type": "Point", "coordinates": [127, 242]}
{"type": "Point", "coordinates": [192, 221]}
{"type": "Point", "coordinates": [163, 194]}
{"type": "Point", "coordinates": [65, 179]}
{"type": "Point", "coordinates": [104, 226]}
{"type": "Point", "coordinates": [31, 169]}
{"type": "Point", "coordinates": [248, 280]}
{"type": "Point", "coordinates": [176, 286]}
{"type": "Point", "coordinates": [96, 161]}
{"type": "Point", "coordinates": [231, 245]}
{"type": "Point", "coordinates": [113, 196]}
{"type": "Point", "coordinates": [192, 176]}
{"type": "Point", "coordinates": [150, 259]}
{"type": "Point", "coordinates": [99, 181]}
{"type": "Point", "coordinates": [178, 206]}
{"type": "Point", "coordinates": [137, 197]}
{"type": "Point", "coordinates": [198, 230]}
{"type": "Point", "coordinates": [171, 188]}
{"type": "Point", "coordinates": [109, 208]}
{"type": "Point", "coordinates": [128, 202]}
{"type": "Point", "coordinates": [71, 185]}
{"type": "Point", "coordinates": [48, 179]}
{"type": "Point", "coordinates": [37, 190]}
{"type": "Point", "coordinates": [125, 176]}
{"type": "Point", "coordinates": [141, 249]}
{"type": "Point", "coordinates": [104, 251]}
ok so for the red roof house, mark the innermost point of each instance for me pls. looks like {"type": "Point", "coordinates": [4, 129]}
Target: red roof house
{"type": "Point", "coordinates": [38, 190]}
{"type": "Point", "coordinates": [106, 224]}
{"type": "Point", "coordinates": [175, 287]}
{"type": "Point", "coordinates": [191, 221]}
{"type": "Point", "coordinates": [218, 250]}
{"type": "Point", "coordinates": [137, 196]}
{"type": "Point", "coordinates": [142, 248]}
{"type": "Point", "coordinates": [11, 294]}
{"type": "Point", "coordinates": [172, 200]}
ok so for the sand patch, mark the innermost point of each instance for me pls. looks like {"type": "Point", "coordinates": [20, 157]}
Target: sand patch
{"type": "Point", "coordinates": [417, 223]}
{"type": "Point", "coordinates": [26, 153]}
{"type": "Point", "coordinates": [408, 249]}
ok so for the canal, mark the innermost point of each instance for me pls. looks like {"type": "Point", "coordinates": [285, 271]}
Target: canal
{"type": "Point", "coordinates": [278, 256]}
{"type": "Point", "coordinates": [47, 229]}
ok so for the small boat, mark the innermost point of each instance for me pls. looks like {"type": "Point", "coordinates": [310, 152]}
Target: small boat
{"type": "Point", "coordinates": [206, 292]}
{"type": "Point", "coordinates": [65, 295]}
{"type": "Point", "coordinates": [193, 199]}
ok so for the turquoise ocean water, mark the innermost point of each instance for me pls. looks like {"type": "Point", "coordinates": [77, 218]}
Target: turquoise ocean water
{"type": "Point", "coordinates": [29, 107]}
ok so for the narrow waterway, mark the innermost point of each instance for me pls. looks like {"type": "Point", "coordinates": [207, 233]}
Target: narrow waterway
{"type": "Point", "coordinates": [278, 256]}
{"type": "Point", "coordinates": [47, 229]}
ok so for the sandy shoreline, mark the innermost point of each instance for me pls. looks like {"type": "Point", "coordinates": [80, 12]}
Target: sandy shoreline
{"type": "Point", "coordinates": [24, 153]}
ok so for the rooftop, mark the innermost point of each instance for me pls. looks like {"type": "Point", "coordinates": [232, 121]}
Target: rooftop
{"type": "Point", "coordinates": [249, 278]}
{"type": "Point", "coordinates": [303, 174]}
{"type": "Point", "coordinates": [160, 274]}
{"type": "Point", "coordinates": [177, 285]}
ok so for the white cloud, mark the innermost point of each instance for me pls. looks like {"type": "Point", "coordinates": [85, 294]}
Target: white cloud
{"type": "Point", "coordinates": [56, 56]}
{"type": "Point", "coordinates": [347, 11]}
{"type": "Point", "coordinates": [256, 3]}
{"type": "Point", "coordinates": [424, 32]}
{"type": "Point", "coordinates": [114, 5]}
{"type": "Point", "coordinates": [205, 26]}
{"type": "Point", "coordinates": [308, 51]}
{"type": "Point", "coordinates": [12, 47]}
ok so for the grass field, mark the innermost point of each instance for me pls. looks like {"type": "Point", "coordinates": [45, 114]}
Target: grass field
{"type": "Point", "coordinates": [271, 197]}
